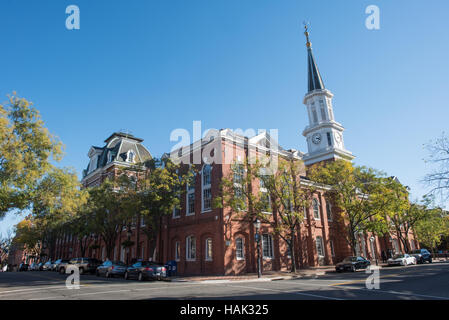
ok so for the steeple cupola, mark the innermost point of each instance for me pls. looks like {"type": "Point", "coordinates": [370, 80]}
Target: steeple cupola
{"type": "Point", "coordinates": [324, 135]}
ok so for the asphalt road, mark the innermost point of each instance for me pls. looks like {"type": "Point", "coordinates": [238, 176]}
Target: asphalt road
{"type": "Point", "coordinates": [428, 281]}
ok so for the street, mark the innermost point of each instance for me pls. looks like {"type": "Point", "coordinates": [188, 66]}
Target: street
{"type": "Point", "coordinates": [428, 281]}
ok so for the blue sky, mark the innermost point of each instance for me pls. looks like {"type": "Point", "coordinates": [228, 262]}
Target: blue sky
{"type": "Point", "coordinates": [153, 66]}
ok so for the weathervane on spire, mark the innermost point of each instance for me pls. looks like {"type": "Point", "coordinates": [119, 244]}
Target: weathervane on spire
{"type": "Point", "coordinates": [306, 27]}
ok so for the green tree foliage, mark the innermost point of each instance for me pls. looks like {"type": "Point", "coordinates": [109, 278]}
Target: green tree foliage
{"type": "Point", "coordinates": [357, 192]}
{"type": "Point", "coordinates": [158, 191]}
{"type": "Point", "coordinates": [277, 198]}
{"type": "Point", "coordinates": [434, 226]}
{"type": "Point", "coordinates": [26, 148]}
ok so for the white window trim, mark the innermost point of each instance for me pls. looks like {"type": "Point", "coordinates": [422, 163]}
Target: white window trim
{"type": "Point", "coordinates": [177, 250]}
{"type": "Point", "coordinates": [322, 246]}
{"type": "Point", "coordinates": [188, 246]}
{"type": "Point", "coordinates": [206, 258]}
{"type": "Point", "coordinates": [272, 247]}
{"type": "Point", "coordinates": [189, 192]}
{"type": "Point", "coordinates": [128, 156]}
{"type": "Point", "coordinates": [203, 187]}
{"type": "Point", "coordinates": [243, 249]}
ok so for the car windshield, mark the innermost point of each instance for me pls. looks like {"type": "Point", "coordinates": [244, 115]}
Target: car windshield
{"type": "Point", "coordinates": [118, 263]}
{"type": "Point", "coordinates": [416, 251]}
{"type": "Point", "coordinates": [398, 256]}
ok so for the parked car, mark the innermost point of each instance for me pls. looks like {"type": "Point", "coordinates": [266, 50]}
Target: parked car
{"type": "Point", "coordinates": [146, 270]}
{"type": "Point", "coordinates": [422, 255]}
{"type": "Point", "coordinates": [40, 266]}
{"type": "Point", "coordinates": [61, 265]}
{"type": "Point", "coordinates": [401, 259]}
{"type": "Point", "coordinates": [33, 266]}
{"type": "Point", "coordinates": [111, 269]}
{"type": "Point", "coordinates": [47, 266]}
{"type": "Point", "coordinates": [352, 264]}
{"type": "Point", "coordinates": [24, 267]}
{"type": "Point", "coordinates": [85, 265]}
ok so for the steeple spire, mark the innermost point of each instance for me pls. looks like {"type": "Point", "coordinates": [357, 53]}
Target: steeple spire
{"type": "Point", "coordinates": [314, 77]}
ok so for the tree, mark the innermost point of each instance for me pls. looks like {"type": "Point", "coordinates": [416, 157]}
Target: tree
{"type": "Point", "coordinates": [55, 202]}
{"type": "Point", "coordinates": [5, 247]}
{"type": "Point", "coordinates": [28, 236]}
{"type": "Point", "coordinates": [400, 216]}
{"type": "Point", "coordinates": [278, 200]}
{"type": "Point", "coordinates": [433, 226]}
{"type": "Point", "coordinates": [26, 148]}
{"type": "Point", "coordinates": [438, 180]}
{"type": "Point", "coordinates": [356, 192]}
{"type": "Point", "coordinates": [159, 187]}
{"type": "Point", "coordinates": [108, 218]}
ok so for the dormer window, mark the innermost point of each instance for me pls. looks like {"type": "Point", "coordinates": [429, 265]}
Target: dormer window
{"type": "Point", "coordinates": [131, 156]}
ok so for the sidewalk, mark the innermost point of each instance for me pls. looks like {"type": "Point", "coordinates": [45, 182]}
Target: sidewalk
{"type": "Point", "coordinates": [270, 275]}
{"type": "Point", "coordinates": [266, 276]}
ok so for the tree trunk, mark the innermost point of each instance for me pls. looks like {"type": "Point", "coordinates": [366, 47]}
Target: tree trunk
{"type": "Point", "coordinates": [292, 250]}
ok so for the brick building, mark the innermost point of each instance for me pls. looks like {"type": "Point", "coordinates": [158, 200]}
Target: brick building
{"type": "Point", "coordinates": [208, 240]}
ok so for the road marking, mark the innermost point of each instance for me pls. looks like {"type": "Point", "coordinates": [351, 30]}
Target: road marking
{"type": "Point", "coordinates": [288, 292]}
{"type": "Point", "coordinates": [361, 280]}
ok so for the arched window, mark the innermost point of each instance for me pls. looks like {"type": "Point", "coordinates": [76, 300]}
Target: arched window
{"type": "Point", "coordinates": [316, 209]}
{"type": "Point", "coordinates": [131, 156]}
{"type": "Point", "coordinates": [239, 248]}
{"type": "Point", "coordinates": [206, 188]}
{"type": "Point", "coordinates": [190, 248]}
{"type": "Point", "coordinates": [208, 255]}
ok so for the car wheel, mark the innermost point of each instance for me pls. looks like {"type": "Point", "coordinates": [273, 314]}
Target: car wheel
{"type": "Point", "coordinates": [140, 276]}
{"type": "Point", "coordinates": [107, 274]}
{"type": "Point", "coordinates": [126, 276]}
{"type": "Point", "coordinates": [62, 271]}
{"type": "Point", "coordinates": [430, 260]}
{"type": "Point", "coordinates": [81, 270]}
{"type": "Point", "coordinates": [97, 273]}
{"type": "Point", "coordinates": [353, 269]}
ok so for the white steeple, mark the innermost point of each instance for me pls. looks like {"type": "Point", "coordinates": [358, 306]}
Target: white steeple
{"type": "Point", "coordinates": [324, 135]}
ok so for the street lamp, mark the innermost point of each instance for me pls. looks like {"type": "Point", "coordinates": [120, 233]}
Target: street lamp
{"type": "Point", "coordinates": [373, 249]}
{"type": "Point", "coordinates": [259, 266]}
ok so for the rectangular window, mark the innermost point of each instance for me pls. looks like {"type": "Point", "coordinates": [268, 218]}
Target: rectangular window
{"type": "Point", "coordinates": [177, 250]}
{"type": "Point", "coordinates": [320, 246]}
{"type": "Point", "coordinates": [190, 248]}
{"type": "Point", "coordinates": [267, 246]}
{"type": "Point", "coordinates": [329, 139]}
{"type": "Point", "coordinates": [239, 249]}
{"type": "Point", "coordinates": [207, 199]}
{"type": "Point", "coordinates": [329, 211]}
{"type": "Point", "coordinates": [209, 249]}
{"type": "Point", "coordinates": [176, 212]}
{"type": "Point", "coordinates": [266, 201]}
{"type": "Point", "coordinates": [191, 203]}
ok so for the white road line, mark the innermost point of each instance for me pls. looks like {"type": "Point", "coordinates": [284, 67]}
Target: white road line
{"type": "Point", "coordinates": [287, 292]}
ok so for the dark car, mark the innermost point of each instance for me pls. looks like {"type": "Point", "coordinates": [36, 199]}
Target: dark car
{"type": "Point", "coordinates": [24, 267]}
{"type": "Point", "coordinates": [422, 255]}
{"type": "Point", "coordinates": [86, 265]}
{"type": "Point", "coordinates": [111, 269]}
{"type": "Point", "coordinates": [352, 264]}
{"type": "Point", "coordinates": [146, 270]}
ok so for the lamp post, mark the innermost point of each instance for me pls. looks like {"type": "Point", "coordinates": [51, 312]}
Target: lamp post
{"type": "Point", "coordinates": [373, 249]}
{"type": "Point", "coordinates": [259, 266]}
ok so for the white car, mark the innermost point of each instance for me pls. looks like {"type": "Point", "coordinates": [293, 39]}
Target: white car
{"type": "Point", "coordinates": [402, 259]}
